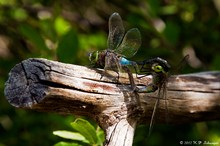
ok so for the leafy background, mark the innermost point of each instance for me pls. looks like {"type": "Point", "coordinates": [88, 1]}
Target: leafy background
{"type": "Point", "coordinates": [68, 30]}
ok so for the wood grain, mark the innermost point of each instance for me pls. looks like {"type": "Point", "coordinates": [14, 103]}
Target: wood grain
{"type": "Point", "coordinates": [51, 86]}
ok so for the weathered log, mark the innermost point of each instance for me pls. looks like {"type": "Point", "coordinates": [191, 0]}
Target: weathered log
{"type": "Point", "coordinates": [51, 86]}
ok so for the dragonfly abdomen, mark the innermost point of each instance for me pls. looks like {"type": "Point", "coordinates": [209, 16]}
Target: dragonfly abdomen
{"type": "Point", "coordinates": [124, 61]}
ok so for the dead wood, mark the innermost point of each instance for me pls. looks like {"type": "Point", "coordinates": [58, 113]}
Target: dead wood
{"type": "Point", "coordinates": [51, 86]}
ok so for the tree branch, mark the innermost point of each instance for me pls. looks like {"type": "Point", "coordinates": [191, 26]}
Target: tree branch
{"type": "Point", "coordinates": [50, 86]}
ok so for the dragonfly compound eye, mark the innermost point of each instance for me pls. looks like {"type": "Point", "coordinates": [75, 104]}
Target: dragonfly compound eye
{"type": "Point", "coordinates": [157, 68]}
{"type": "Point", "coordinates": [93, 57]}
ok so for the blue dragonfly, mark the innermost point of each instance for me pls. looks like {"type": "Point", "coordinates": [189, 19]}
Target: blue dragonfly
{"type": "Point", "coordinates": [120, 46]}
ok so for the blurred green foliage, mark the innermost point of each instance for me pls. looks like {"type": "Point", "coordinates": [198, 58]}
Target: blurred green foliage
{"type": "Point", "coordinates": [68, 30]}
{"type": "Point", "coordinates": [86, 134]}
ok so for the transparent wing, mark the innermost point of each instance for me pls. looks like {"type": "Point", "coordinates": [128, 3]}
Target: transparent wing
{"type": "Point", "coordinates": [130, 43]}
{"type": "Point", "coordinates": [161, 95]}
{"type": "Point", "coordinates": [116, 31]}
{"type": "Point", "coordinates": [181, 64]}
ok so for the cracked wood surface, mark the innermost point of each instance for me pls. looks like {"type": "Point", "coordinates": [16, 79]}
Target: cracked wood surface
{"type": "Point", "coordinates": [51, 86]}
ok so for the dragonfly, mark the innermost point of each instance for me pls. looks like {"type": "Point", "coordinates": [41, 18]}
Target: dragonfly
{"type": "Point", "coordinates": [120, 46]}
{"type": "Point", "coordinates": [159, 69]}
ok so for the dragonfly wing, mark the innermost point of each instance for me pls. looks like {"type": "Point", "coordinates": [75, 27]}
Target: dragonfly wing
{"type": "Point", "coordinates": [153, 116]}
{"type": "Point", "coordinates": [157, 103]}
{"type": "Point", "coordinates": [181, 64]}
{"type": "Point", "coordinates": [130, 43]}
{"type": "Point", "coordinates": [164, 96]}
{"type": "Point", "coordinates": [116, 31]}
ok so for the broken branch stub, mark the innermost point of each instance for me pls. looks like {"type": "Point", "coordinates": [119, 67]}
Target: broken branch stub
{"type": "Point", "coordinates": [51, 86]}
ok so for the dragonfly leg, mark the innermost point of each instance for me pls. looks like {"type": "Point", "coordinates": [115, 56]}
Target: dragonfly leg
{"type": "Point", "coordinates": [117, 76]}
{"type": "Point", "coordinates": [131, 79]}
{"type": "Point", "coordinates": [112, 63]}
{"type": "Point", "coordinates": [116, 79]}
{"type": "Point", "coordinates": [136, 68]}
{"type": "Point", "coordinates": [149, 88]}
{"type": "Point", "coordinates": [141, 76]}
{"type": "Point", "coordinates": [102, 75]}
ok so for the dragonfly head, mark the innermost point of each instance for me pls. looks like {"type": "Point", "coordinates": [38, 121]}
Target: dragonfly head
{"type": "Point", "coordinates": [156, 65]}
{"type": "Point", "coordinates": [160, 71]}
{"type": "Point", "coordinates": [160, 65]}
{"type": "Point", "coordinates": [93, 57]}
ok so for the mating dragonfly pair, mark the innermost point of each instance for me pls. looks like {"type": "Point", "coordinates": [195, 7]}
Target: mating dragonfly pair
{"type": "Point", "coordinates": [121, 46]}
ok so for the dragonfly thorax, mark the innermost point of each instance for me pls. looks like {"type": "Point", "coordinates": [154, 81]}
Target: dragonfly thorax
{"type": "Point", "coordinates": [97, 58]}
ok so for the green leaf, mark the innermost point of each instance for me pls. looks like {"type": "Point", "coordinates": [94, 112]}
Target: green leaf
{"type": "Point", "coordinates": [61, 25]}
{"type": "Point", "coordinates": [70, 135]}
{"type": "Point", "coordinates": [19, 14]}
{"type": "Point", "coordinates": [68, 47]}
{"type": "Point", "coordinates": [86, 129]}
{"type": "Point", "coordinates": [66, 144]}
{"type": "Point", "coordinates": [101, 136]}
{"type": "Point", "coordinates": [33, 35]}
{"type": "Point", "coordinates": [169, 10]}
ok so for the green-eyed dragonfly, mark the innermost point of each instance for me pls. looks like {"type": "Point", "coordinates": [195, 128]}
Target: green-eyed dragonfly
{"type": "Point", "coordinates": [120, 47]}
{"type": "Point", "coordinates": [159, 69]}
